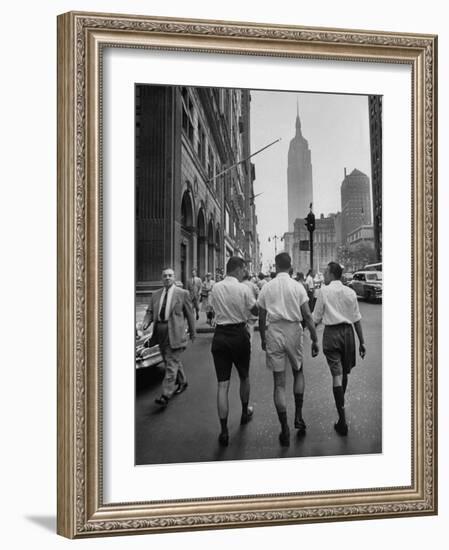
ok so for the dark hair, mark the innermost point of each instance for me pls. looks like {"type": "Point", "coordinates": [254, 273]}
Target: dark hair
{"type": "Point", "coordinates": [234, 262]}
{"type": "Point", "coordinates": [299, 276]}
{"type": "Point", "coordinates": [261, 275]}
{"type": "Point", "coordinates": [283, 261]}
{"type": "Point", "coordinates": [335, 269]}
{"type": "Point", "coordinates": [273, 274]}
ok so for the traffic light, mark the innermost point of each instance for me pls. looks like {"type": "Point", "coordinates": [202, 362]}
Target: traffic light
{"type": "Point", "coordinates": [310, 222]}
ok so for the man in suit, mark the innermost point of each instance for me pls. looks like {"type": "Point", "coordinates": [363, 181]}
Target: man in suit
{"type": "Point", "coordinates": [169, 307]}
{"type": "Point", "coordinates": [194, 287]}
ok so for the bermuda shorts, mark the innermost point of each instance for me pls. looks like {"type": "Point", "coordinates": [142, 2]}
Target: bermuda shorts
{"type": "Point", "coordinates": [284, 341]}
{"type": "Point", "coordinates": [339, 348]}
{"type": "Point", "coordinates": [231, 346]}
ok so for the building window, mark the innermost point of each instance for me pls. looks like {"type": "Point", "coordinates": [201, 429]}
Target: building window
{"type": "Point", "coordinates": [187, 114]}
{"type": "Point", "coordinates": [201, 149]}
{"type": "Point", "coordinates": [210, 163]}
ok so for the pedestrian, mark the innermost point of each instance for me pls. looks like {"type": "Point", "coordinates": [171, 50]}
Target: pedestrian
{"type": "Point", "coordinates": [283, 304]}
{"type": "Point", "coordinates": [310, 287]}
{"type": "Point", "coordinates": [194, 287]}
{"type": "Point", "coordinates": [233, 303]}
{"type": "Point", "coordinates": [168, 309]}
{"type": "Point", "coordinates": [262, 280]}
{"type": "Point", "coordinates": [338, 309]}
{"type": "Point", "coordinates": [206, 289]}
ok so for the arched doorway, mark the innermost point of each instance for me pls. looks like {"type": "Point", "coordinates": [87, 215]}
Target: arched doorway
{"type": "Point", "coordinates": [187, 227]}
{"type": "Point", "coordinates": [202, 244]}
{"type": "Point", "coordinates": [211, 249]}
{"type": "Point", "coordinates": [218, 253]}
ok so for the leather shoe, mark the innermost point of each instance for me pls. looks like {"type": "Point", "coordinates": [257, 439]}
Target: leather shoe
{"type": "Point", "coordinates": [162, 401]}
{"type": "Point", "coordinates": [246, 417]}
{"type": "Point", "coordinates": [341, 428]}
{"type": "Point", "coordinates": [223, 439]}
{"type": "Point", "coordinates": [300, 425]}
{"type": "Point", "coordinates": [284, 438]}
{"type": "Point", "coordinates": [181, 388]}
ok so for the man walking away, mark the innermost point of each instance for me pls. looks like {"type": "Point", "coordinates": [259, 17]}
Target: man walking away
{"type": "Point", "coordinates": [233, 304]}
{"type": "Point", "coordinates": [283, 303]}
{"type": "Point", "coordinates": [168, 308]}
{"type": "Point", "coordinates": [338, 309]}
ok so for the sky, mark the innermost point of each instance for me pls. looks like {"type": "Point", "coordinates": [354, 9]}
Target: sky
{"type": "Point", "coordinates": [336, 127]}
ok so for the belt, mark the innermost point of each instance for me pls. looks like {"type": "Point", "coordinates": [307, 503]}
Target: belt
{"type": "Point", "coordinates": [339, 325]}
{"type": "Point", "coordinates": [231, 325]}
{"type": "Point", "coordinates": [162, 322]}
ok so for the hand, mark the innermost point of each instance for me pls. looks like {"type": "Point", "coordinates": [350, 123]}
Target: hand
{"type": "Point", "coordinates": [192, 337]}
{"type": "Point", "coordinates": [315, 349]}
{"type": "Point", "coordinates": [362, 350]}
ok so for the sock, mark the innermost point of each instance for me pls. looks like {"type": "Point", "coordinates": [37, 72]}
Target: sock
{"type": "Point", "coordinates": [244, 408]}
{"type": "Point", "coordinates": [339, 397]}
{"type": "Point", "coordinates": [224, 425]}
{"type": "Point", "coordinates": [345, 382]}
{"type": "Point", "coordinates": [299, 398]}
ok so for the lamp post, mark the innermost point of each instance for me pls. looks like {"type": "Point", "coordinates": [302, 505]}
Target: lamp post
{"type": "Point", "coordinates": [310, 224]}
{"type": "Point", "coordinates": [275, 239]}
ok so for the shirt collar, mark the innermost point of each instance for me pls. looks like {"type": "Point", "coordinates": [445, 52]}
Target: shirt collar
{"type": "Point", "coordinates": [282, 274]}
{"type": "Point", "coordinates": [337, 282]}
{"type": "Point", "coordinates": [231, 279]}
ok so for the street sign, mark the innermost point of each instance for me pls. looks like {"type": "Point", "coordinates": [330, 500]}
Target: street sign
{"type": "Point", "coordinates": [304, 245]}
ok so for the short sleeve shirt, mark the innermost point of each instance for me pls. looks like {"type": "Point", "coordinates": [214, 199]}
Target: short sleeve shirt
{"type": "Point", "coordinates": [232, 301]}
{"type": "Point", "coordinates": [336, 303]}
{"type": "Point", "coordinates": [282, 298]}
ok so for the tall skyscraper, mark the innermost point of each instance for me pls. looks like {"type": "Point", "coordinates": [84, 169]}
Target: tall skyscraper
{"type": "Point", "coordinates": [299, 176]}
{"type": "Point", "coordinates": [355, 202]}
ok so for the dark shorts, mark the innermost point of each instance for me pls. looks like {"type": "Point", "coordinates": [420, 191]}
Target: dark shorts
{"type": "Point", "coordinates": [231, 345]}
{"type": "Point", "coordinates": [339, 348]}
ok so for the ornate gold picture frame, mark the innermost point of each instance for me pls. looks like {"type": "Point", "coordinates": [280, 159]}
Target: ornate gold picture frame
{"type": "Point", "coordinates": [82, 39]}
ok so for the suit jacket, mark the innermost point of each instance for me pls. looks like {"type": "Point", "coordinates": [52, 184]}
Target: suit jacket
{"type": "Point", "coordinates": [180, 309]}
{"type": "Point", "coordinates": [194, 287]}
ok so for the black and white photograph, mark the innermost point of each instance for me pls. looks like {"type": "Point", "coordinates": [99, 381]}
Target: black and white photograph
{"type": "Point", "coordinates": [258, 274]}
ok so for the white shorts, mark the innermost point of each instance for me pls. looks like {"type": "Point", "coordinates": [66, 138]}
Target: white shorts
{"type": "Point", "coordinates": [284, 341]}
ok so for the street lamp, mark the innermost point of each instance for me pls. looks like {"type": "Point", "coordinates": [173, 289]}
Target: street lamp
{"type": "Point", "coordinates": [275, 239]}
{"type": "Point", "coordinates": [310, 224]}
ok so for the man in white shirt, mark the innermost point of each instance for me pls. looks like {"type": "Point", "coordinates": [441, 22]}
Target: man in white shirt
{"type": "Point", "coordinates": [169, 307]}
{"type": "Point", "coordinates": [338, 309]}
{"type": "Point", "coordinates": [233, 304]}
{"type": "Point", "coordinates": [283, 304]}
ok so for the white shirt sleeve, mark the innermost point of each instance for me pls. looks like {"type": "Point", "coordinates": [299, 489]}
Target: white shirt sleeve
{"type": "Point", "coordinates": [249, 297]}
{"type": "Point", "coordinates": [261, 298]}
{"type": "Point", "coordinates": [303, 298]}
{"type": "Point", "coordinates": [356, 315]}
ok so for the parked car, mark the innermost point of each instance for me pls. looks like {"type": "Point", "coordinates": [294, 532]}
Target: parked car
{"type": "Point", "coordinates": [367, 285]}
{"type": "Point", "coordinates": [146, 355]}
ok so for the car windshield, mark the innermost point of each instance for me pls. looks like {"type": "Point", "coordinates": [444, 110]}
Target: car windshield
{"type": "Point", "coordinates": [376, 276]}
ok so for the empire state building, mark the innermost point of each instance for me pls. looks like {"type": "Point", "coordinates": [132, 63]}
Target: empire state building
{"type": "Point", "coordinates": [299, 177]}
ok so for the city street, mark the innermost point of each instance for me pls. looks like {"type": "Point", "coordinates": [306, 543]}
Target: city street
{"type": "Point", "coordinates": [187, 430]}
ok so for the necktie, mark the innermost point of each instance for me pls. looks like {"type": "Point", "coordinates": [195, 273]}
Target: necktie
{"type": "Point", "coordinates": [164, 305]}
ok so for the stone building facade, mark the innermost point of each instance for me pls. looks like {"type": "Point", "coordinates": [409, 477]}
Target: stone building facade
{"type": "Point", "coordinates": [194, 190]}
